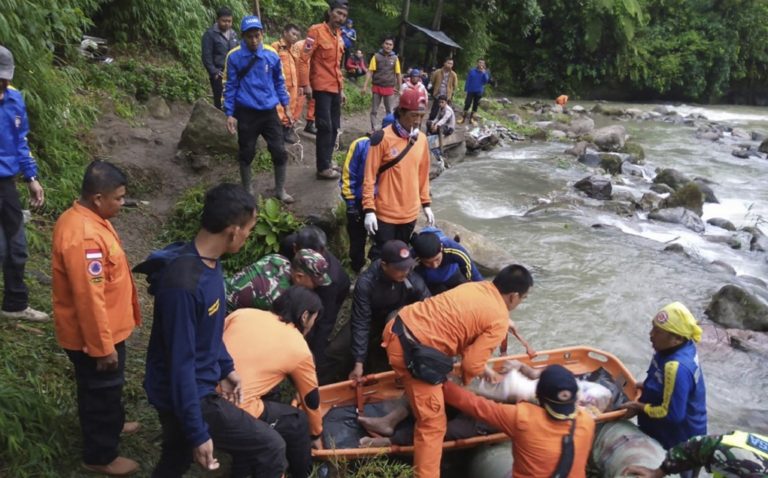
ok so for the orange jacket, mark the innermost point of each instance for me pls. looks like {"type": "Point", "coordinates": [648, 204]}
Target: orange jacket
{"type": "Point", "coordinates": [324, 49]}
{"type": "Point", "coordinates": [95, 304]}
{"type": "Point", "coordinates": [401, 190]}
{"type": "Point", "coordinates": [266, 351]}
{"type": "Point", "coordinates": [561, 100]}
{"type": "Point", "coordinates": [289, 66]}
{"type": "Point", "coordinates": [302, 63]}
{"type": "Point", "coordinates": [470, 320]}
{"type": "Point", "coordinates": [537, 437]}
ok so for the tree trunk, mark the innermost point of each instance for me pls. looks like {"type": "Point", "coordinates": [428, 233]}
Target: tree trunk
{"type": "Point", "coordinates": [257, 10]}
{"type": "Point", "coordinates": [403, 29]}
{"type": "Point", "coordinates": [436, 20]}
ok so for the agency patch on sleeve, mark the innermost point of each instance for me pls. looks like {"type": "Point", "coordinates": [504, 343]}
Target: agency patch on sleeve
{"type": "Point", "coordinates": [93, 254]}
{"type": "Point", "coordinates": [95, 268]}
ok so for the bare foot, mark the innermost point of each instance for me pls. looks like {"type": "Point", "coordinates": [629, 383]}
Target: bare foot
{"type": "Point", "coordinates": [371, 442]}
{"type": "Point", "coordinates": [377, 425]}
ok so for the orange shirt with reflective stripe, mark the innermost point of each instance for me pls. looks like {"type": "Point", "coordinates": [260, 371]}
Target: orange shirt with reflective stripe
{"type": "Point", "coordinates": [470, 320]}
{"type": "Point", "coordinates": [95, 305]}
{"type": "Point", "coordinates": [536, 436]}
{"type": "Point", "coordinates": [266, 351]}
{"type": "Point", "coordinates": [324, 49]}
{"type": "Point", "coordinates": [402, 189]}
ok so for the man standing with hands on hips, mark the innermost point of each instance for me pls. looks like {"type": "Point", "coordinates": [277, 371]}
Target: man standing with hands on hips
{"type": "Point", "coordinates": [15, 157]}
{"type": "Point", "coordinates": [254, 85]}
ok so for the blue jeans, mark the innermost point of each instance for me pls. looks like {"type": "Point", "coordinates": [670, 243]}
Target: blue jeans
{"type": "Point", "coordinates": [13, 248]}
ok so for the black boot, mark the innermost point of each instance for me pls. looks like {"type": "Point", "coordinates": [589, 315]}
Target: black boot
{"type": "Point", "coordinates": [289, 135]}
{"type": "Point", "coordinates": [245, 177]}
{"type": "Point", "coordinates": [310, 127]}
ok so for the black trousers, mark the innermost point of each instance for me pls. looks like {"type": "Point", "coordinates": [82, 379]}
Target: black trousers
{"type": "Point", "coordinates": [357, 239]}
{"type": "Point", "coordinates": [292, 425]}
{"type": "Point", "coordinates": [252, 123]}
{"type": "Point", "coordinates": [387, 232]}
{"type": "Point", "coordinates": [328, 122]}
{"type": "Point", "coordinates": [434, 109]}
{"type": "Point", "coordinates": [257, 449]}
{"type": "Point", "coordinates": [99, 405]}
{"type": "Point", "coordinates": [13, 247]}
{"type": "Point", "coordinates": [217, 87]}
{"type": "Point", "coordinates": [473, 99]}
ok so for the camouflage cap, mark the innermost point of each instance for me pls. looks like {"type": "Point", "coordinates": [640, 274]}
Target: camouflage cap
{"type": "Point", "coordinates": [314, 264]}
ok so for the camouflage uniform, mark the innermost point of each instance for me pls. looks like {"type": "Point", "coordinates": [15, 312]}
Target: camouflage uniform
{"type": "Point", "coordinates": [738, 454]}
{"type": "Point", "coordinates": [259, 284]}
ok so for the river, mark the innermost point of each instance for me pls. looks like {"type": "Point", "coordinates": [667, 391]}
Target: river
{"type": "Point", "coordinates": [601, 286]}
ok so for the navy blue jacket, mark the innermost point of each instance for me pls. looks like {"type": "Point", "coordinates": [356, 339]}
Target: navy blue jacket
{"type": "Point", "coordinates": [262, 88]}
{"type": "Point", "coordinates": [455, 269]}
{"type": "Point", "coordinates": [476, 81]}
{"type": "Point", "coordinates": [14, 127]}
{"type": "Point", "coordinates": [186, 357]}
{"type": "Point", "coordinates": [677, 396]}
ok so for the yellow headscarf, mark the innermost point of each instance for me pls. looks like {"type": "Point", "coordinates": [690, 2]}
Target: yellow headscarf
{"type": "Point", "coordinates": [677, 319]}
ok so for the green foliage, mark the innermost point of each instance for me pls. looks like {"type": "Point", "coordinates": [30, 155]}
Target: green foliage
{"type": "Point", "coordinates": [357, 100]}
{"type": "Point", "coordinates": [379, 467]}
{"type": "Point", "coordinates": [273, 222]}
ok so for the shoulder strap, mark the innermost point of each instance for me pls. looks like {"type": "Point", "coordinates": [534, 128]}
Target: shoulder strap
{"type": "Point", "coordinates": [394, 162]}
{"type": "Point", "coordinates": [241, 74]}
{"type": "Point", "coordinates": [565, 463]}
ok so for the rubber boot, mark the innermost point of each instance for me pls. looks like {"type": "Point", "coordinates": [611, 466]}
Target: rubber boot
{"type": "Point", "coordinates": [280, 184]}
{"type": "Point", "coordinates": [463, 118]}
{"type": "Point", "coordinates": [245, 177]}
{"type": "Point", "coordinates": [471, 119]}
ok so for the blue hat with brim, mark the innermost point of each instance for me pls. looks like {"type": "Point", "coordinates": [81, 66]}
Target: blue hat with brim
{"type": "Point", "coordinates": [250, 22]}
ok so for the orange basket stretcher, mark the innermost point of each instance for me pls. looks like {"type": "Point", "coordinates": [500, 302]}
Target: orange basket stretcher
{"type": "Point", "coordinates": [384, 386]}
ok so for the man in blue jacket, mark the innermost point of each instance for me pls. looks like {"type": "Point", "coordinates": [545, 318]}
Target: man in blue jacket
{"type": "Point", "coordinates": [351, 184]}
{"type": "Point", "coordinates": [186, 357]}
{"type": "Point", "coordinates": [217, 41]}
{"type": "Point", "coordinates": [442, 262]}
{"type": "Point", "coordinates": [15, 158]}
{"type": "Point", "coordinates": [477, 78]}
{"type": "Point", "coordinates": [253, 86]}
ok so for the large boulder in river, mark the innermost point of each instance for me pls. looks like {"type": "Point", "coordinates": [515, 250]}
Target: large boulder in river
{"type": "Point", "coordinates": [596, 187]}
{"type": "Point", "coordinates": [763, 147]}
{"type": "Point", "coordinates": [635, 151]}
{"type": "Point", "coordinates": [610, 138]}
{"type": "Point", "coordinates": [611, 163]}
{"type": "Point", "coordinates": [580, 148]}
{"type": "Point", "coordinates": [581, 125]}
{"type": "Point", "coordinates": [672, 178]}
{"type": "Point", "coordinates": [488, 257]}
{"type": "Point", "coordinates": [661, 188]}
{"type": "Point", "coordinates": [758, 241]}
{"type": "Point", "coordinates": [706, 190]}
{"type": "Point", "coordinates": [688, 196]}
{"type": "Point", "coordinates": [735, 307]}
{"type": "Point", "coordinates": [721, 223]}
{"type": "Point", "coordinates": [206, 132]}
{"type": "Point", "coordinates": [679, 215]}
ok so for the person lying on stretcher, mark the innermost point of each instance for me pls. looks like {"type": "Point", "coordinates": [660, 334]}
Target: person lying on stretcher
{"type": "Point", "coordinates": [517, 384]}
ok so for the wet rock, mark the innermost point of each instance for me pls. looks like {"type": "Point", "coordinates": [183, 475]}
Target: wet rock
{"type": "Point", "coordinates": [626, 193]}
{"type": "Point", "coordinates": [206, 132]}
{"type": "Point", "coordinates": [709, 136]}
{"type": "Point", "coordinates": [679, 215]}
{"type": "Point", "coordinates": [706, 190]}
{"type": "Point", "coordinates": [688, 196]}
{"type": "Point", "coordinates": [721, 223]}
{"type": "Point", "coordinates": [724, 266]}
{"type": "Point", "coordinates": [590, 158]}
{"type": "Point", "coordinates": [621, 208]}
{"type": "Point", "coordinates": [672, 178]}
{"type": "Point", "coordinates": [633, 170]}
{"type": "Point", "coordinates": [758, 136]}
{"type": "Point", "coordinates": [763, 147]}
{"type": "Point", "coordinates": [557, 134]}
{"type": "Point", "coordinates": [736, 307]}
{"type": "Point", "coordinates": [539, 134]}
{"type": "Point", "coordinates": [752, 280]}
{"type": "Point", "coordinates": [611, 163]}
{"type": "Point", "coordinates": [738, 133]}
{"type": "Point", "coordinates": [436, 166]}
{"type": "Point", "coordinates": [515, 118]}
{"type": "Point", "coordinates": [158, 108]}
{"type": "Point", "coordinates": [634, 112]}
{"type": "Point", "coordinates": [662, 109]}
{"type": "Point", "coordinates": [758, 241]}
{"type": "Point", "coordinates": [596, 187]}
{"type": "Point", "coordinates": [650, 201]}
{"type": "Point", "coordinates": [557, 109]}
{"type": "Point", "coordinates": [635, 151]}
{"type": "Point", "coordinates": [676, 248]}
{"type": "Point", "coordinates": [661, 189]}
{"type": "Point", "coordinates": [581, 125]}
{"type": "Point", "coordinates": [580, 148]}
{"type": "Point", "coordinates": [744, 153]}
{"type": "Point", "coordinates": [488, 257]}
{"type": "Point", "coordinates": [610, 138]}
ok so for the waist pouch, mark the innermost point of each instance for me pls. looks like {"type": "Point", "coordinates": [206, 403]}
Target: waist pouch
{"type": "Point", "coordinates": [423, 362]}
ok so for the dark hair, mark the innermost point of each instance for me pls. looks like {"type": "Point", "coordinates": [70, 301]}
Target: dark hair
{"type": "Point", "coordinates": [223, 12]}
{"type": "Point", "coordinates": [101, 177]}
{"type": "Point", "coordinates": [311, 237]}
{"type": "Point", "coordinates": [292, 304]}
{"type": "Point", "coordinates": [226, 205]}
{"type": "Point", "coordinates": [291, 26]}
{"type": "Point", "coordinates": [427, 245]}
{"type": "Point", "coordinates": [513, 278]}
{"type": "Point", "coordinates": [286, 245]}
{"type": "Point", "coordinates": [448, 58]}
{"type": "Point", "coordinates": [442, 97]}
{"type": "Point", "coordinates": [388, 37]}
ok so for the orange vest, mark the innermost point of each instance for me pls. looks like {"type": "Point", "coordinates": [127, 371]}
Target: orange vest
{"type": "Point", "coordinates": [95, 304]}
{"type": "Point", "coordinates": [289, 66]}
{"type": "Point", "coordinates": [324, 50]}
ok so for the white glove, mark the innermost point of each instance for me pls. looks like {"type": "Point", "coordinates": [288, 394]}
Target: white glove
{"type": "Point", "coordinates": [430, 216]}
{"type": "Point", "coordinates": [371, 224]}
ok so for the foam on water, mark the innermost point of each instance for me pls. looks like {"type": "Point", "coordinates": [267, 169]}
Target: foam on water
{"type": "Point", "coordinates": [478, 208]}
{"type": "Point", "coordinates": [730, 116]}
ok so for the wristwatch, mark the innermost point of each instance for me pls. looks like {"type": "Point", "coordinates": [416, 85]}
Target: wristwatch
{"type": "Point", "coordinates": [30, 179]}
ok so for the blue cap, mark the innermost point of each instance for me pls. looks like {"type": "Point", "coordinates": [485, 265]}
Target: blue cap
{"type": "Point", "coordinates": [249, 23]}
{"type": "Point", "coordinates": [388, 120]}
{"type": "Point", "coordinates": [415, 72]}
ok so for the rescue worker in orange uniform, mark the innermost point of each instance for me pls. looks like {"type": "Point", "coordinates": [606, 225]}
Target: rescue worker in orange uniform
{"type": "Point", "coordinates": [324, 50]}
{"type": "Point", "coordinates": [470, 320]}
{"type": "Point", "coordinates": [561, 100]}
{"type": "Point", "coordinates": [289, 58]}
{"type": "Point", "coordinates": [268, 347]}
{"type": "Point", "coordinates": [393, 197]}
{"type": "Point", "coordinates": [302, 71]}
{"type": "Point", "coordinates": [96, 307]}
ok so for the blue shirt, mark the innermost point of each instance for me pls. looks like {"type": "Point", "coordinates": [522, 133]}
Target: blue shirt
{"type": "Point", "coordinates": [353, 172]}
{"type": "Point", "coordinates": [186, 357]}
{"type": "Point", "coordinates": [455, 269]}
{"type": "Point", "coordinates": [349, 35]}
{"type": "Point", "coordinates": [262, 87]}
{"type": "Point", "coordinates": [476, 81]}
{"type": "Point", "coordinates": [14, 127]}
{"type": "Point", "coordinates": [675, 390]}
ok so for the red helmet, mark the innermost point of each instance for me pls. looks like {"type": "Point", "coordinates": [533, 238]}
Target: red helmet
{"type": "Point", "coordinates": [412, 100]}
